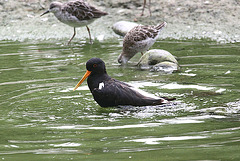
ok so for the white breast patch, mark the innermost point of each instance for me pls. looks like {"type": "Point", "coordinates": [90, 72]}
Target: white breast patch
{"type": "Point", "coordinates": [101, 85]}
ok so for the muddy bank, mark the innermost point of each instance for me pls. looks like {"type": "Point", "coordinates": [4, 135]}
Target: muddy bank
{"type": "Point", "coordinates": [187, 19]}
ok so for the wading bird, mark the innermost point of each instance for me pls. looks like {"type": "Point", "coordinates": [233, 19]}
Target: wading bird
{"type": "Point", "coordinates": [76, 14]}
{"type": "Point", "coordinates": [139, 39]}
{"type": "Point", "coordinates": [109, 92]}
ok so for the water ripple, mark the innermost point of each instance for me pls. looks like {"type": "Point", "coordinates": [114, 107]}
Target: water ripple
{"type": "Point", "coordinates": [155, 140]}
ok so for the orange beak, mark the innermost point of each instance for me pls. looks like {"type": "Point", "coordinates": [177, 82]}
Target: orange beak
{"type": "Point", "coordinates": [83, 78]}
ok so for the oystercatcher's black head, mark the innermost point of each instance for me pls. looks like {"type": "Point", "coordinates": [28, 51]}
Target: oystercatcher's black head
{"type": "Point", "coordinates": [94, 66]}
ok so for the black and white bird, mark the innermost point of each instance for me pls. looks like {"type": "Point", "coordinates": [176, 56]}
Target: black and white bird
{"type": "Point", "coordinates": [109, 92]}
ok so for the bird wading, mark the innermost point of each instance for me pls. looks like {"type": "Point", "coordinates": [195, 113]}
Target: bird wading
{"type": "Point", "coordinates": [109, 92]}
{"type": "Point", "coordinates": [76, 14]}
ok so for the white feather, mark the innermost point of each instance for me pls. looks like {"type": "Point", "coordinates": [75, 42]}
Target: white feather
{"type": "Point", "coordinates": [101, 85]}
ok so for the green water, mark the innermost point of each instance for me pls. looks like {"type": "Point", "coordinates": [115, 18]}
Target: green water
{"type": "Point", "coordinates": [41, 118]}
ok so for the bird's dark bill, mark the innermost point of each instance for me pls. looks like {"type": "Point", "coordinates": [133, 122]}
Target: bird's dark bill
{"type": "Point", "coordinates": [45, 13]}
{"type": "Point", "coordinates": [83, 78]}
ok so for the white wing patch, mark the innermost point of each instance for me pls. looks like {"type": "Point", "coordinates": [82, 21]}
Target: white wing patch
{"type": "Point", "coordinates": [101, 85]}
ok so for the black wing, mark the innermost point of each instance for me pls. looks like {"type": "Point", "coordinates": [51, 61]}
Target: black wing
{"type": "Point", "coordinates": [116, 93]}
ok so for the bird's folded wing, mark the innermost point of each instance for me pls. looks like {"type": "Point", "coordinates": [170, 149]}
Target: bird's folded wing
{"type": "Point", "coordinates": [82, 10]}
{"type": "Point", "coordinates": [123, 94]}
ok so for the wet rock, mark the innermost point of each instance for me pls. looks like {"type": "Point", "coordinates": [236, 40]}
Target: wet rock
{"type": "Point", "coordinates": [158, 60]}
{"type": "Point", "coordinates": [165, 67]}
{"type": "Point", "coordinates": [122, 27]}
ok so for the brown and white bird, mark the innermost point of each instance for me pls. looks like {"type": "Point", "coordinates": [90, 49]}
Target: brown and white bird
{"type": "Point", "coordinates": [75, 13]}
{"type": "Point", "coordinates": [139, 39]}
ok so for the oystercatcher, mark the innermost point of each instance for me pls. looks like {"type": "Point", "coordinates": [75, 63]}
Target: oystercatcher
{"type": "Point", "coordinates": [109, 92]}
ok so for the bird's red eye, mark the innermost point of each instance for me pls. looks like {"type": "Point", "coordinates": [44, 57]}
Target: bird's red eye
{"type": "Point", "coordinates": [94, 65]}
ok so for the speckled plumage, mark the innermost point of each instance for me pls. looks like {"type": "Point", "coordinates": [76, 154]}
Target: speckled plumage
{"type": "Point", "coordinates": [75, 13]}
{"type": "Point", "coordinates": [139, 39]}
{"type": "Point", "coordinates": [82, 11]}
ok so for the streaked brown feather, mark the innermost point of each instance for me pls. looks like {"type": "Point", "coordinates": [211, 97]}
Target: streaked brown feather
{"type": "Point", "coordinates": [82, 10]}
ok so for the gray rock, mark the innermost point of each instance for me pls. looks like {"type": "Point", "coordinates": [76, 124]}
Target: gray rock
{"type": "Point", "coordinates": [165, 67]}
{"type": "Point", "coordinates": [158, 60]}
{"type": "Point", "coordinates": [122, 27]}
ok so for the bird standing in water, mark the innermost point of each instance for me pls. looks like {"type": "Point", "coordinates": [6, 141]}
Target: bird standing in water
{"type": "Point", "coordinates": [76, 14]}
{"type": "Point", "coordinates": [109, 92]}
{"type": "Point", "coordinates": [139, 39]}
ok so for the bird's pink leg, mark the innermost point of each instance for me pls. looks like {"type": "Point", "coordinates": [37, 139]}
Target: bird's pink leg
{"type": "Point", "coordinates": [149, 8]}
{"type": "Point", "coordinates": [144, 4]}
{"type": "Point", "coordinates": [74, 33]}
{"type": "Point", "coordinates": [89, 35]}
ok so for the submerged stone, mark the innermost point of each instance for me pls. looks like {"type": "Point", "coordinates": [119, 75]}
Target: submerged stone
{"type": "Point", "coordinates": [165, 67]}
{"type": "Point", "coordinates": [122, 27]}
{"type": "Point", "coordinates": [158, 60]}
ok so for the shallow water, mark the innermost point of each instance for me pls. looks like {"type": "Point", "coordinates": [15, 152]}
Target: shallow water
{"type": "Point", "coordinates": [43, 119]}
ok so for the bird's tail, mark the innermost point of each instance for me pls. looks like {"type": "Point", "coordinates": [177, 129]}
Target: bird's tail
{"type": "Point", "coordinates": [164, 24]}
{"type": "Point", "coordinates": [169, 99]}
{"type": "Point", "coordinates": [163, 100]}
